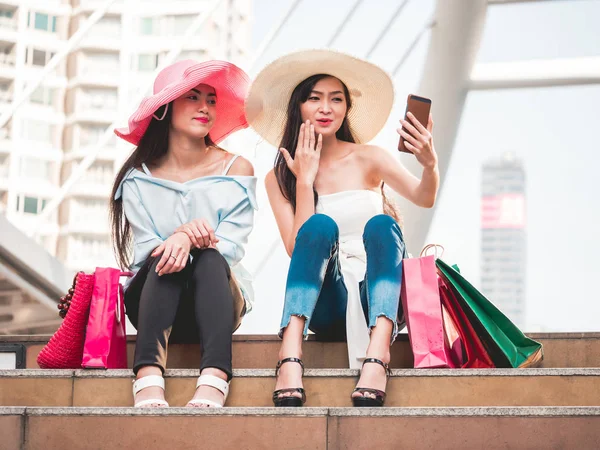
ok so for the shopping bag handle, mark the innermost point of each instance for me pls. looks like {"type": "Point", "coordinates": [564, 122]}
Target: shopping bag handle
{"type": "Point", "coordinates": [118, 310]}
{"type": "Point", "coordinates": [435, 247]}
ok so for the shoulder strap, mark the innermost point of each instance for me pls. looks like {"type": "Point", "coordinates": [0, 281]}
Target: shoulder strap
{"type": "Point", "coordinates": [226, 170]}
{"type": "Point", "coordinates": [146, 171]}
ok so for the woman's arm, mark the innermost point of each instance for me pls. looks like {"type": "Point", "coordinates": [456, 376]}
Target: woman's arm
{"type": "Point", "coordinates": [233, 230]}
{"type": "Point", "coordinates": [288, 222]}
{"type": "Point", "coordinates": [388, 168]}
{"type": "Point", "coordinates": [147, 241]}
{"type": "Point", "coordinates": [304, 166]}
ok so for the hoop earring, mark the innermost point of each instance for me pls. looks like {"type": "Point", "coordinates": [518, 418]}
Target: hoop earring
{"type": "Point", "coordinates": [164, 113]}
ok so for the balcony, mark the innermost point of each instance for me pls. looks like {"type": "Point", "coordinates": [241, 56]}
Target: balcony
{"type": "Point", "coordinates": [89, 6]}
{"type": "Point", "coordinates": [96, 183]}
{"type": "Point", "coordinates": [6, 97]}
{"type": "Point", "coordinates": [8, 29]}
{"type": "Point", "coordinates": [96, 75]}
{"type": "Point", "coordinates": [96, 106]}
{"type": "Point", "coordinates": [102, 36]}
{"type": "Point", "coordinates": [5, 141]}
{"type": "Point", "coordinates": [175, 6]}
{"type": "Point", "coordinates": [7, 64]}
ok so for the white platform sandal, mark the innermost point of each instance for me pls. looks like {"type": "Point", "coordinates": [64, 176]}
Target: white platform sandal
{"type": "Point", "coordinates": [149, 381]}
{"type": "Point", "coordinates": [215, 382]}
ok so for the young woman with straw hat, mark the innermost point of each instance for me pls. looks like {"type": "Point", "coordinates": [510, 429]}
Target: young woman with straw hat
{"type": "Point", "coordinates": [321, 108]}
{"type": "Point", "coordinates": [188, 205]}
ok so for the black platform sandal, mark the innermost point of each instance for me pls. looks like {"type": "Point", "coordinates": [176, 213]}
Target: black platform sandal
{"type": "Point", "coordinates": [289, 400]}
{"type": "Point", "coordinates": [379, 399]}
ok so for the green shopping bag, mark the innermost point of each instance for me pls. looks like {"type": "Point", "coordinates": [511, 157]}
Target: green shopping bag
{"type": "Point", "coordinates": [506, 344]}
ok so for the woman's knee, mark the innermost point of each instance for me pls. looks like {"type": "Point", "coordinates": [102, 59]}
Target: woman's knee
{"type": "Point", "coordinates": [209, 260]}
{"type": "Point", "coordinates": [317, 230]}
{"type": "Point", "coordinates": [382, 225]}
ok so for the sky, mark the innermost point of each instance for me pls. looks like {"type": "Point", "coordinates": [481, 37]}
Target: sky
{"type": "Point", "coordinates": [554, 131]}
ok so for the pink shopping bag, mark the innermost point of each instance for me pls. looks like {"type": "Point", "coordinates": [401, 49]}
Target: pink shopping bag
{"type": "Point", "coordinates": [423, 311]}
{"type": "Point", "coordinates": [105, 339]}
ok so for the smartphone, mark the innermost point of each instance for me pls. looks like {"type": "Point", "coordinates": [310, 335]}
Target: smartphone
{"type": "Point", "coordinates": [420, 107]}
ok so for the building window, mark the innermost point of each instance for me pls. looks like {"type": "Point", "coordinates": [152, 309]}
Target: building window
{"type": "Point", "coordinates": [43, 96]}
{"type": "Point", "coordinates": [101, 173]}
{"type": "Point", "coordinates": [36, 130]}
{"type": "Point", "coordinates": [90, 135]}
{"type": "Point", "coordinates": [179, 25]}
{"type": "Point", "coordinates": [198, 55]}
{"type": "Point", "coordinates": [30, 205]}
{"type": "Point", "coordinates": [36, 168]}
{"type": "Point", "coordinates": [42, 22]}
{"type": "Point", "coordinates": [147, 62]}
{"type": "Point", "coordinates": [37, 57]}
{"type": "Point", "coordinates": [103, 99]}
{"type": "Point", "coordinates": [147, 26]}
{"type": "Point", "coordinates": [103, 63]}
{"type": "Point", "coordinates": [107, 26]}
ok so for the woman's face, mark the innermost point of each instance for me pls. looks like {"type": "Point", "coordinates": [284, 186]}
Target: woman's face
{"type": "Point", "coordinates": [326, 106]}
{"type": "Point", "coordinates": [194, 113]}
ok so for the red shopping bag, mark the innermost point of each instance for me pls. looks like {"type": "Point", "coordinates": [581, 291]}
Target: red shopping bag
{"type": "Point", "coordinates": [65, 347]}
{"type": "Point", "coordinates": [476, 356]}
{"type": "Point", "coordinates": [452, 339]}
{"type": "Point", "coordinates": [105, 339]}
{"type": "Point", "coordinates": [423, 311]}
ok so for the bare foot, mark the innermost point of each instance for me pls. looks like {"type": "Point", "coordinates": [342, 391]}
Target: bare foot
{"type": "Point", "coordinates": [209, 392]}
{"type": "Point", "coordinates": [372, 376]}
{"type": "Point", "coordinates": [290, 376]}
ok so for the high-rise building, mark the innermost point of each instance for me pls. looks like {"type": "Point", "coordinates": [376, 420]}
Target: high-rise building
{"type": "Point", "coordinates": [503, 236]}
{"type": "Point", "coordinates": [97, 83]}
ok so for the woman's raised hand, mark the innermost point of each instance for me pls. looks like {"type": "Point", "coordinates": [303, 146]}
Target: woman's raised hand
{"type": "Point", "coordinates": [419, 140]}
{"type": "Point", "coordinates": [305, 163]}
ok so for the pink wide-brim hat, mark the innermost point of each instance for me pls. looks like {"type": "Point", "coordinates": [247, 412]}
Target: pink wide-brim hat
{"type": "Point", "coordinates": [229, 81]}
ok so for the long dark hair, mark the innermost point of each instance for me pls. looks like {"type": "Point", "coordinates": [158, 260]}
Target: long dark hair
{"type": "Point", "coordinates": [285, 178]}
{"type": "Point", "coordinates": [153, 145]}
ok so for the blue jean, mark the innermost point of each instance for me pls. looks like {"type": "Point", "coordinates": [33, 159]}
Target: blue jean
{"type": "Point", "coordinates": [315, 286]}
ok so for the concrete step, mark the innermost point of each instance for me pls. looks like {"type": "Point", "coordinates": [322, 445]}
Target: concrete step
{"type": "Point", "coordinates": [259, 352]}
{"type": "Point", "coordinates": [300, 428]}
{"type": "Point", "coordinates": [325, 387]}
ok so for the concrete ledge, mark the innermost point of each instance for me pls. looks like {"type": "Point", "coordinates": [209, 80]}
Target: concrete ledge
{"type": "Point", "coordinates": [12, 410]}
{"type": "Point", "coordinates": [402, 337]}
{"type": "Point", "coordinates": [178, 411]}
{"type": "Point", "coordinates": [307, 411]}
{"type": "Point", "coordinates": [260, 351]}
{"type": "Point", "coordinates": [37, 373]}
{"type": "Point", "coordinates": [310, 373]}
{"type": "Point", "coordinates": [527, 411]}
{"type": "Point", "coordinates": [298, 428]}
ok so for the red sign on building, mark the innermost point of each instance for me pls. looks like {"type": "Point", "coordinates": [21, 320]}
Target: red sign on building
{"type": "Point", "coordinates": [503, 211]}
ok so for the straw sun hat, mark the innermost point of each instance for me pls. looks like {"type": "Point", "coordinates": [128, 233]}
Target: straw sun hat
{"type": "Point", "coordinates": [371, 90]}
{"type": "Point", "coordinates": [230, 84]}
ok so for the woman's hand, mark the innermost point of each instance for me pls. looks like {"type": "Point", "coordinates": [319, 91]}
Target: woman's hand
{"type": "Point", "coordinates": [305, 163]}
{"type": "Point", "coordinates": [200, 233]}
{"type": "Point", "coordinates": [175, 252]}
{"type": "Point", "coordinates": [419, 140]}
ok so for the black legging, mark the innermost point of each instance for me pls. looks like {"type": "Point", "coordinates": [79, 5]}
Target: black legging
{"type": "Point", "coordinates": [156, 305]}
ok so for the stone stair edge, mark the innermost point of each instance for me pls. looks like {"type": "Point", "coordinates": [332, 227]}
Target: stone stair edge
{"type": "Point", "coordinates": [257, 373]}
{"type": "Point", "coordinates": [467, 411]}
{"type": "Point", "coordinates": [42, 338]}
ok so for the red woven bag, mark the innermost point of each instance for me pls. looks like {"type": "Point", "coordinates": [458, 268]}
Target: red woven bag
{"type": "Point", "coordinates": [65, 348]}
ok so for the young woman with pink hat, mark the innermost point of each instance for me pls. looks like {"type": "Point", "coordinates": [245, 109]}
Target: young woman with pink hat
{"type": "Point", "coordinates": [187, 206]}
{"type": "Point", "coordinates": [321, 108]}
